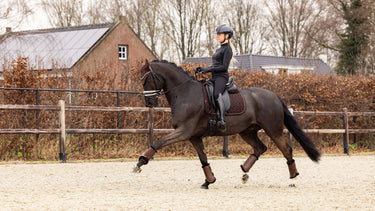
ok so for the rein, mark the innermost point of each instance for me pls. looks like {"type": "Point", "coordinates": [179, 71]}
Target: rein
{"type": "Point", "coordinates": [157, 91]}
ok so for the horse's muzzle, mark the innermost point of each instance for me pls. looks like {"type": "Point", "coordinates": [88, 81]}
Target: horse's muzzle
{"type": "Point", "coordinates": [151, 101]}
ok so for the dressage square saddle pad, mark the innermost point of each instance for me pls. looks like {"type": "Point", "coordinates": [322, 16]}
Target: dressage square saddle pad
{"type": "Point", "coordinates": [237, 104]}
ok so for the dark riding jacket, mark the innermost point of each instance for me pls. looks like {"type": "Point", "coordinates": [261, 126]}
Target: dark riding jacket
{"type": "Point", "coordinates": [220, 61]}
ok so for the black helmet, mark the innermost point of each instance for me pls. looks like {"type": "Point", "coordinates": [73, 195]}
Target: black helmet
{"type": "Point", "coordinates": [224, 29]}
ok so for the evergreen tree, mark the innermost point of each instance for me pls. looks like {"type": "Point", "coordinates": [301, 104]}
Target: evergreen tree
{"type": "Point", "coordinates": [355, 38]}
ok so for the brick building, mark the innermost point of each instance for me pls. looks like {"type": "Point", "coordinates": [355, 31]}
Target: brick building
{"type": "Point", "coordinates": [73, 48]}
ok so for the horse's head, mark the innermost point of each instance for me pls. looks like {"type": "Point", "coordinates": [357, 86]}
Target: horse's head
{"type": "Point", "coordinates": [152, 84]}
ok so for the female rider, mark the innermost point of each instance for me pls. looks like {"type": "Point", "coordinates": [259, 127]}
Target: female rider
{"type": "Point", "coordinates": [219, 69]}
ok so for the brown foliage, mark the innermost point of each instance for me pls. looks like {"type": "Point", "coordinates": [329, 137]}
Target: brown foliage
{"type": "Point", "coordinates": [302, 92]}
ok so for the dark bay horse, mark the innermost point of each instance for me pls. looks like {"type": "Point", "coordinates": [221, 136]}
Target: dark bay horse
{"type": "Point", "coordinates": [264, 110]}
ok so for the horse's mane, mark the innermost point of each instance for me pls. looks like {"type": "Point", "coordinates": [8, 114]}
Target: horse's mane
{"type": "Point", "coordinates": [174, 65]}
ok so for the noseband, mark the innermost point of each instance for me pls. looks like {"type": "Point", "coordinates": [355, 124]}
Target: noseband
{"type": "Point", "coordinates": [156, 91]}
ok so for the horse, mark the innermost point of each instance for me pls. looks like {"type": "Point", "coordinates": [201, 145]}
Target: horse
{"type": "Point", "coordinates": [264, 110]}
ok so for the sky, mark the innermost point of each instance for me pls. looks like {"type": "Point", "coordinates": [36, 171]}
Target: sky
{"type": "Point", "coordinates": [38, 20]}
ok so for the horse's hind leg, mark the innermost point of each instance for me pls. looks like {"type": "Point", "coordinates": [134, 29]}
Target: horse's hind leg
{"type": "Point", "coordinates": [251, 137]}
{"type": "Point", "coordinates": [210, 178]}
{"type": "Point", "coordinates": [283, 144]}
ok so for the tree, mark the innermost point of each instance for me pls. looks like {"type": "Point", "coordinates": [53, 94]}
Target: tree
{"type": "Point", "coordinates": [14, 11]}
{"type": "Point", "coordinates": [290, 23]}
{"type": "Point", "coordinates": [182, 23]}
{"type": "Point", "coordinates": [64, 13]}
{"type": "Point", "coordinates": [355, 38]}
{"type": "Point", "coordinates": [210, 22]}
{"type": "Point", "coordinates": [144, 17]}
{"type": "Point", "coordinates": [245, 19]}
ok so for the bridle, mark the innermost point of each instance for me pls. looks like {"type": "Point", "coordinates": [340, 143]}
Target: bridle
{"type": "Point", "coordinates": [156, 91]}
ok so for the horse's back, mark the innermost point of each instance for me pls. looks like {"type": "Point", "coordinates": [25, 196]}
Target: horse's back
{"type": "Point", "coordinates": [262, 97]}
{"type": "Point", "coordinates": [265, 106]}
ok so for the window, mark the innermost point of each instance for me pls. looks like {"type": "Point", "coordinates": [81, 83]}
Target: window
{"type": "Point", "coordinates": [123, 52]}
{"type": "Point", "coordinates": [307, 72]}
{"type": "Point", "coordinates": [283, 71]}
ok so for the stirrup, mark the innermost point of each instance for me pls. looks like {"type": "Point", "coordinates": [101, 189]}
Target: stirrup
{"type": "Point", "coordinates": [221, 126]}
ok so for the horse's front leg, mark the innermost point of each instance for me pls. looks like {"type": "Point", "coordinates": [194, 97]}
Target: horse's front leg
{"type": "Point", "coordinates": [171, 138]}
{"type": "Point", "coordinates": [199, 147]}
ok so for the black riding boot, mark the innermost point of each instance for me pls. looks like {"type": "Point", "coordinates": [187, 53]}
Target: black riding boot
{"type": "Point", "coordinates": [221, 113]}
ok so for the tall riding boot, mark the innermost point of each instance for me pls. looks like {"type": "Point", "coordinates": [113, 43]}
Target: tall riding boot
{"type": "Point", "coordinates": [221, 113]}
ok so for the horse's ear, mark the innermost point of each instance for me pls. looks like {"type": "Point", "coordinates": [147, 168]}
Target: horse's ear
{"type": "Point", "coordinates": [144, 68]}
{"type": "Point", "coordinates": [140, 65]}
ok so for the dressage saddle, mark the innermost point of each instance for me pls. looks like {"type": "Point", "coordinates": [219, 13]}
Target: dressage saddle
{"type": "Point", "coordinates": [230, 88]}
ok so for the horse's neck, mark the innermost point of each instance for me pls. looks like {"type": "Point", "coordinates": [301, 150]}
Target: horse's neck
{"type": "Point", "coordinates": [172, 77]}
{"type": "Point", "coordinates": [177, 83]}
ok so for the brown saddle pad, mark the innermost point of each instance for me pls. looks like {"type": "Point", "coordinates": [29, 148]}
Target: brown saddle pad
{"type": "Point", "coordinates": [237, 104]}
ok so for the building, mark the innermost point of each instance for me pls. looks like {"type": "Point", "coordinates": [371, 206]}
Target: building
{"type": "Point", "coordinates": [272, 64]}
{"type": "Point", "coordinates": [72, 48]}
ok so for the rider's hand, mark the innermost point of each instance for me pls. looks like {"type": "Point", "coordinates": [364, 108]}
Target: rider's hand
{"type": "Point", "coordinates": [205, 69]}
{"type": "Point", "coordinates": [202, 70]}
{"type": "Point", "coordinates": [198, 69]}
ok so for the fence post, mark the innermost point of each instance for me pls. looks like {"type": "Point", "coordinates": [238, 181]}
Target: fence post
{"type": "Point", "coordinates": [290, 137]}
{"type": "Point", "coordinates": [37, 111]}
{"type": "Point", "coordinates": [150, 126]}
{"type": "Point", "coordinates": [62, 154]}
{"type": "Point", "coordinates": [346, 134]}
{"type": "Point", "coordinates": [225, 147]}
{"type": "Point", "coordinates": [118, 105]}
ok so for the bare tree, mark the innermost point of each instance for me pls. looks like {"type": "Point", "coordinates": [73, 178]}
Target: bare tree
{"type": "Point", "coordinates": [96, 12]}
{"type": "Point", "coordinates": [245, 19]}
{"type": "Point", "coordinates": [290, 22]}
{"type": "Point", "coordinates": [135, 14]}
{"type": "Point", "coordinates": [63, 13]}
{"type": "Point", "coordinates": [153, 28]}
{"type": "Point", "coordinates": [14, 11]}
{"type": "Point", "coordinates": [210, 22]}
{"type": "Point", "coordinates": [182, 24]}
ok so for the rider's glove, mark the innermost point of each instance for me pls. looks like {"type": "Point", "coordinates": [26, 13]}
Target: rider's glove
{"type": "Point", "coordinates": [202, 69]}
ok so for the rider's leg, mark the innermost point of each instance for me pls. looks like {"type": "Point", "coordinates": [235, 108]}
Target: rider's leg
{"type": "Point", "coordinates": [219, 87]}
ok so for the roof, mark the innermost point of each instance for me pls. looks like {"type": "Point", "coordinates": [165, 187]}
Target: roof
{"type": "Point", "coordinates": [45, 47]}
{"type": "Point", "coordinates": [260, 62]}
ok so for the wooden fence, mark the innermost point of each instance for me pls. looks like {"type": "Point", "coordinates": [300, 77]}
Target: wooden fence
{"type": "Point", "coordinates": [62, 131]}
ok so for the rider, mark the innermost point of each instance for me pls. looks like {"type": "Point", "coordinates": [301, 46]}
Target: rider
{"type": "Point", "coordinates": [220, 64]}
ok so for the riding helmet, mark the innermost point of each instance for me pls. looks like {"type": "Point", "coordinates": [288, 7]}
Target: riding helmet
{"type": "Point", "coordinates": [224, 29]}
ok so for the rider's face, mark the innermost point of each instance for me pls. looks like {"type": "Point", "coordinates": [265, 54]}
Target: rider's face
{"type": "Point", "coordinates": [220, 37]}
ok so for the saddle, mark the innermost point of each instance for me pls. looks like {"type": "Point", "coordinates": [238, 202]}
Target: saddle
{"type": "Point", "coordinates": [234, 102]}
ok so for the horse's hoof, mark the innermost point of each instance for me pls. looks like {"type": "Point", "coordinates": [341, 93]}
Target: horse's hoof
{"type": "Point", "coordinates": [137, 169]}
{"type": "Point", "coordinates": [244, 178]}
{"type": "Point", "coordinates": [205, 185]}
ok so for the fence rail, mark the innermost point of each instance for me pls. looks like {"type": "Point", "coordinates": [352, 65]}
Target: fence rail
{"type": "Point", "coordinates": [150, 130]}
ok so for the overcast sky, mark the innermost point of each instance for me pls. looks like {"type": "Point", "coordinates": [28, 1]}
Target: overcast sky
{"type": "Point", "coordinates": [38, 20]}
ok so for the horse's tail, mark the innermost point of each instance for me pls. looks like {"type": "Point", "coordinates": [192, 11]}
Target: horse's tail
{"type": "Point", "coordinates": [302, 138]}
